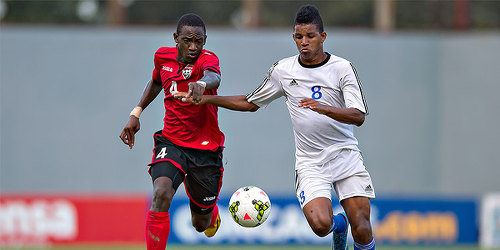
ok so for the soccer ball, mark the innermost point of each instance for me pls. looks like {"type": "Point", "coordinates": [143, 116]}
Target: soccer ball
{"type": "Point", "coordinates": [249, 206]}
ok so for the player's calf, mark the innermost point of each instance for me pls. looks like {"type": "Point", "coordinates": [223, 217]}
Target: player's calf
{"type": "Point", "coordinates": [201, 222]}
{"type": "Point", "coordinates": [202, 218]}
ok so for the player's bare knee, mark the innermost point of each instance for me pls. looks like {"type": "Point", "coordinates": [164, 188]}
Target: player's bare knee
{"type": "Point", "coordinates": [321, 227]}
{"type": "Point", "coordinates": [321, 230]}
{"type": "Point", "coordinates": [319, 223]}
{"type": "Point", "coordinates": [362, 232]}
{"type": "Point", "coordinates": [162, 198]}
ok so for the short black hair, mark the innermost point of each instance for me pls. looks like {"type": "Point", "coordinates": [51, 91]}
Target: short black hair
{"type": "Point", "coordinates": [192, 20]}
{"type": "Point", "coordinates": [309, 14]}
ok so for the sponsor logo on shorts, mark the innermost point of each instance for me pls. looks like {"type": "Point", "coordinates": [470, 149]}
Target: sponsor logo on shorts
{"type": "Point", "coordinates": [211, 198]}
{"type": "Point", "coordinates": [369, 188]}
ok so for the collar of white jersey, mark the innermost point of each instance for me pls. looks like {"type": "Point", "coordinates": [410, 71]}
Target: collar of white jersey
{"type": "Point", "coordinates": [315, 65]}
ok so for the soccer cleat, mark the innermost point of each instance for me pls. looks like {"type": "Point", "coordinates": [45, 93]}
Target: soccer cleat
{"type": "Point", "coordinates": [210, 231]}
{"type": "Point", "coordinates": [339, 240]}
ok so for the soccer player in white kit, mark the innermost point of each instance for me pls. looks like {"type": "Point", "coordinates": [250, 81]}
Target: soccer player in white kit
{"type": "Point", "coordinates": [324, 98]}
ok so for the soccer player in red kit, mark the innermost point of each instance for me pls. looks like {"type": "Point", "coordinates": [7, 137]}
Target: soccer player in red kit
{"type": "Point", "coordinates": [189, 147]}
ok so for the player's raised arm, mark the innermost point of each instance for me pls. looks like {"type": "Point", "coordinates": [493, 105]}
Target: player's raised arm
{"type": "Point", "coordinates": [152, 90]}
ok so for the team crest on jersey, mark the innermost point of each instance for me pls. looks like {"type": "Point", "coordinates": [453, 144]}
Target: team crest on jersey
{"type": "Point", "coordinates": [186, 72]}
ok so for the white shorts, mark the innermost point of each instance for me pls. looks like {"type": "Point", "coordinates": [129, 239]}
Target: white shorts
{"type": "Point", "coordinates": [345, 173]}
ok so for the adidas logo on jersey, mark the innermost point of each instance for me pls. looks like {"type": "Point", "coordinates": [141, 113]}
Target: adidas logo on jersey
{"type": "Point", "coordinates": [369, 188]}
{"type": "Point", "coordinates": [293, 83]}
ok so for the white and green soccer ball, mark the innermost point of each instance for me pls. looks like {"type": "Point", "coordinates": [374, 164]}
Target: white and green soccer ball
{"type": "Point", "coordinates": [249, 206]}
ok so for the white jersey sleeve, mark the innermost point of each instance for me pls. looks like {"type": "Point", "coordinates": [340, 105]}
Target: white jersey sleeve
{"type": "Point", "coordinates": [351, 88]}
{"type": "Point", "coordinates": [268, 91]}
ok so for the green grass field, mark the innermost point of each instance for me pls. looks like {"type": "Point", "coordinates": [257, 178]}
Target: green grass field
{"type": "Point", "coordinates": [179, 247]}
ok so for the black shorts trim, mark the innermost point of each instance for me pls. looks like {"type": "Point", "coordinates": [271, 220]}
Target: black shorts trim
{"type": "Point", "coordinates": [197, 209]}
{"type": "Point", "coordinates": [167, 169]}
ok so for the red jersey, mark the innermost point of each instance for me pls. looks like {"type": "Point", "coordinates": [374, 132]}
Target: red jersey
{"type": "Point", "coordinates": [186, 124]}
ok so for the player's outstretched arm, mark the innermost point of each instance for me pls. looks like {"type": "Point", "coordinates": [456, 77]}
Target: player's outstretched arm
{"type": "Point", "coordinates": [238, 103]}
{"type": "Point", "coordinates": [210, 80]}
{"type": "Point", "coordinates": [127, 135]}
{"type": "Point", "coordinates": [345, 115]}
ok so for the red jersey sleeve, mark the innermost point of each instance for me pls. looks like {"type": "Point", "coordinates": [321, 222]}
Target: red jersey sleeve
{"type": "Point", "coordinates": [209, 61]}
{"type": "Point", "coordinates": [156, 71]}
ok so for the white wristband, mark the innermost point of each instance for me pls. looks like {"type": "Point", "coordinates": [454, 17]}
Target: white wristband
{"type": "Point", "coordinates": [136, 112]}
{"type": "Point", "coordinates": [202, 83]}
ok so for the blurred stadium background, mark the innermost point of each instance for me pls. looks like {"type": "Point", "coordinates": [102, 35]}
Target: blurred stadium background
{"type": "Point", "coordinates": [71, 71]}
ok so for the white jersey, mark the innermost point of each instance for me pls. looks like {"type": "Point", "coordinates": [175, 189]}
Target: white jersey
{"type": "Point", "coordinates": [318, 138]}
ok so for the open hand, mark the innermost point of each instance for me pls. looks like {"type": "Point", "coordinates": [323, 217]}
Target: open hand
{"type": "Point", "coordinates": [312, 104]}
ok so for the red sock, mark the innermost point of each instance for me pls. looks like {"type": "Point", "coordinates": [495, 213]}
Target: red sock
{"type": "Point", "coordinates": [215, 212]}
{"type": "Point", "coordinates": [157, 230]}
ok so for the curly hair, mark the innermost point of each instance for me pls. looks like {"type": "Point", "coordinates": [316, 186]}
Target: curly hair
{"type": "Point", "coordinates": [309, 14]}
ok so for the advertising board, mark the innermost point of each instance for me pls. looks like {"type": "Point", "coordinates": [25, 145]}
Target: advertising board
{"type": "Point", "coordinates": [80, 219]}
